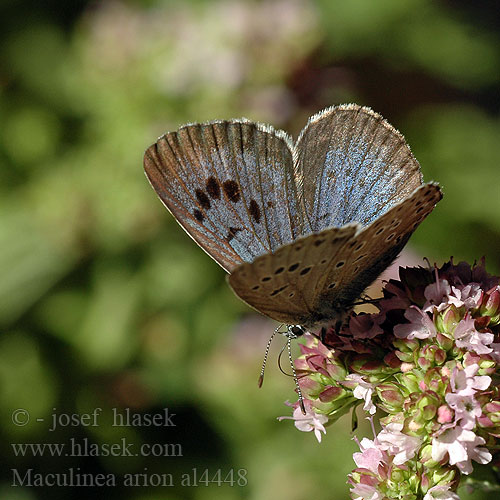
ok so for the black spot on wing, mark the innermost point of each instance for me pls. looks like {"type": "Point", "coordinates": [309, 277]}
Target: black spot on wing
{"type": "Point", "coordinates": [254, 210]}
{"type": "Point", "coordinates": [213, 188]}
{"type": "Point", "coordinates": [278, 290]}
{"type": "Point", "coordinates": [203, 199]}
{"type": "Point", "coordinates": [198, 215]}
{"type": "Point", "coordinates": [232, 190]}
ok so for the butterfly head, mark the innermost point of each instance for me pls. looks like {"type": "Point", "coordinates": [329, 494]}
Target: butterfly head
{"type": "Point", "coordinates": [293, 332]}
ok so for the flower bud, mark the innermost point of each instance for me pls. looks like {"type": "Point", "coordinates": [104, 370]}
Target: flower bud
{"type": "Point", "coordinates": [367, 365]}
{"type": "Point", "coordinates": [406, 348]}
{"type": "Point", "coordinates": [446, 343]}
{"type": "Point", "coordinates": [424, 363]}
{"type": "Point", "coordinates": [445, 414]}
{"type": "Point", "coordinates": [410, 381]}
{"type": "Point", "coordinates": [448, 320]}
{"type": "Point", "coordinates": [390, 396]}
{"type": "Point", "coordinates": [491, 305]}
{"type": "Point", "coordinates": [332, 393]}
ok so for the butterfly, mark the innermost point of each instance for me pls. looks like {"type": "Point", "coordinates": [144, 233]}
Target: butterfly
{"type": "Point", "coordinates": [302, 228]}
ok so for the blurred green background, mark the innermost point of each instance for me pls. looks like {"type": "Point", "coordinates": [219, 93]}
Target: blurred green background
{"type": "Point", "coordinates": [106, 303]}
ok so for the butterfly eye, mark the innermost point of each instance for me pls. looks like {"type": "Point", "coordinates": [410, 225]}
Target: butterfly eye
{"type": "Point", "coordinates": [297, 330]}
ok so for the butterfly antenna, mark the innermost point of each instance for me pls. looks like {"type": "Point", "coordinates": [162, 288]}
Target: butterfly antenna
{"type": "Point", "coordinates": [295, 379]}
{"type": "Point", "coordinates": [261, 377]}
{"type": "Point", "coordinates": [294, 373]}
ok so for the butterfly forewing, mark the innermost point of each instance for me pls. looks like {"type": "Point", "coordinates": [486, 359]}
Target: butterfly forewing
{"type": "Point", "coordinates": [352, 166]}
{"type": "Point", "coordinates": [230, 184]}
{"type": "Point", "coordinates": [282, 285]}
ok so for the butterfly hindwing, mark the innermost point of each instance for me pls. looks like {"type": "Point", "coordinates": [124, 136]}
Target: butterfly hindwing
{"type": "Point", "coordinates": [372, 250]}
{"type": "Point", "coordinates": [230, 185]}
{"type": "Point", "coordinates": [282, 285]}
{"type": "Point", "coordinates": [315, 279]}
{"type": "Point", "coordinates": [352, 165]}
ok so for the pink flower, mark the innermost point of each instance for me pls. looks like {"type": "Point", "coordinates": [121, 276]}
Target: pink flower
{"type": "Point", "coordinates": [464, 385]}
{"type": "Point", "coordinates": [420, 326]}
{"type": "Point", "coordinates": [401, 446]}
{"type": "Point", "coordinates": [469, 296]}
{"type": "Point", "coordinates": [466, 382]}
{"type": "Point", "coordinates": [495, 353]}
{"type": "Point", "coordinates": [366, 492]}
{"type": "Point", "coordinates": [311, 421]}
{"type": "Point", "coordinates": [437, 295]}
{"type": "Point", "coordinates": [468, 337]}
{"type": "Point", "coordinates": [363, 390]}
{"type": "Point", "coordinates": [441, 492]}
{"type": "Point", "coordinates": [462, 446]}
{"type": "Point", "coordinates": [370, 457]}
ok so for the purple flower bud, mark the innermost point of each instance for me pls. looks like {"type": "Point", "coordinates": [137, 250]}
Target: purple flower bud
{"type": "Point", "coordinates": [433, 355]}
{"type": "Point", "coordinates": [390, 396]}
{"type": "Point", "coordinates": [331, 393]}
{"type": "Point", "coordinates": [445, 414]}
{"type": "Point", "coordinates": [424, 363]}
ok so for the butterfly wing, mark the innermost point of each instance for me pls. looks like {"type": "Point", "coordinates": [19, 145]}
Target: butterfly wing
{"type": "Point", "coordinates": [371, 251]}
{"type": "Point", "coordinates": [316, 279]}
{"type": "Point", "coordinates": [282, 285]}
{"type": "Point", "coordinates": [352, 166]}
{"type": "Point", "coordinates": [230, 185]}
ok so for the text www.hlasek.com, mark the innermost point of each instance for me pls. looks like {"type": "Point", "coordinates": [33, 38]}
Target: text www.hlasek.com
{"type": "Point", "coordinates": [85, 448]}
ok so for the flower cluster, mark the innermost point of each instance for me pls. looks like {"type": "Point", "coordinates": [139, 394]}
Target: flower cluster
{"type": "Point", "coordinates": [429, 361]}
